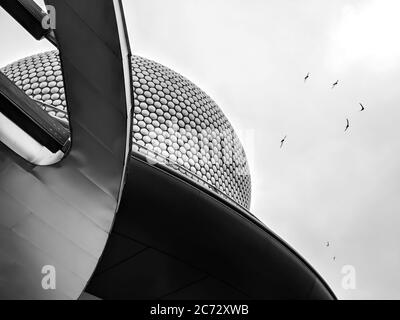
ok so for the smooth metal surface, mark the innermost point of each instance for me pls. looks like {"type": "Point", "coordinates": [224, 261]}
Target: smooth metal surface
{"type": "Point", "coordinates": [196, 248]}
{"type": "Point", "coordinates": [24, 112]}
{"type": "Point", "coordinates": [61, 215]}
{"type": "Point", "coordinates": [24, 145]}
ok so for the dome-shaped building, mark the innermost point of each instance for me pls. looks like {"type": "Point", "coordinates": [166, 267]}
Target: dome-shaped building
{"type": "Point", "coordinates": [175, 122]}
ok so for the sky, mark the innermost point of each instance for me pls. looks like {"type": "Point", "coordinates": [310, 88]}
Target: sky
{"type": "Point", "coordinates": [251, 57]}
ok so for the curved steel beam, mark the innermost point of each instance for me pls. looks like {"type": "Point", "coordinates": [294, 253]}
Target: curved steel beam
{"type": "Point", "coordinates": [61, 215]}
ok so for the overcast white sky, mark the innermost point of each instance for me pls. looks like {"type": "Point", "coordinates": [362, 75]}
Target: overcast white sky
{"type": "Point", "coordinates": [251, 57]}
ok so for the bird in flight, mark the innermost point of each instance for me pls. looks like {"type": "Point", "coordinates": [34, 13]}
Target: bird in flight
{"type": "Point", "coordinates": [362, 107]}
{"type": "Point", "coordinates": [334, 258]}
{"type": "Point", "coordinates": [327, 244]}
{"type": "Point", "coordinates": [335, 84]}
{"type": "Point", "coordinates": [283, 141]}
{"type": "Point", "coordinates": [306, 77]}
{"type": "Point", "coordinates": [347, 125]}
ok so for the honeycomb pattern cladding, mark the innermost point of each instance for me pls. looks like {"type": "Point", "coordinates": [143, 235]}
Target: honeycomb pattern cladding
{"type": "Point", "coordinates": [174, 121]}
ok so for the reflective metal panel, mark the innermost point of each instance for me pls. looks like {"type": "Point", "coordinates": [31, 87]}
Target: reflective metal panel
{"type": "Point", "coordinates": [58, 217]}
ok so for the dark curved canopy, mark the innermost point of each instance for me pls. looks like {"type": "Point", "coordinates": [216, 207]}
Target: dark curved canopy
{"type": "Point", "coordinates": [174, 240]}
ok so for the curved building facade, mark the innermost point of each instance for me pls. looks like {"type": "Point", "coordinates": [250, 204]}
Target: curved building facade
{"type": "Point", "coordinates": [175, 122]}
{"type": "Point", "coordinates": [142, 190]}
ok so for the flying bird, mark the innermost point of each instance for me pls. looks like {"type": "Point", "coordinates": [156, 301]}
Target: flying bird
{"type": "Point", "coordinates": [327, 244]}
{"type": "Point", "coordinates": [335, 84]}
{"type": "Point", "coordinates": [347, 125]}
{"type": "Point", "coordinates": [362, 107]}
{"type": "Point", "coordinates": [283, 141]}
{"type": "Point", "coordinates": [334, 258]}
{"type": "Point", "coordinates": [306, 77]}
